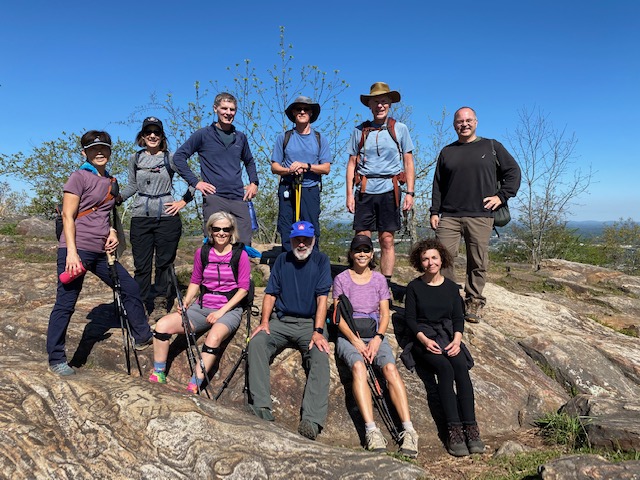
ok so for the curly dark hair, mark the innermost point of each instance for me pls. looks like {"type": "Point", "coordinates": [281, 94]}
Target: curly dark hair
{"type": "Point", "coordinates": [415, 257]}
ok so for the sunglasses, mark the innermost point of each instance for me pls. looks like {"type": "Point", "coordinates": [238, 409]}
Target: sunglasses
{"type": "Point", "coordinates": [157, 133]}
{"type": "Point", "coordinates": [362, 250]}
{"type": "Point", "coordinates": [221, 229]}
{"type": "Point", "coordinates": [302, 109]}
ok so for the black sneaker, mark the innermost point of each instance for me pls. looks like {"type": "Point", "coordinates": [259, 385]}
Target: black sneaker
{"type": "Point", "coordinates": [308, 429]}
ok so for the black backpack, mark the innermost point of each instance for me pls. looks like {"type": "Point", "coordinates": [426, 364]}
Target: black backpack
{"type": "Point", "coordinates": [234, 263]}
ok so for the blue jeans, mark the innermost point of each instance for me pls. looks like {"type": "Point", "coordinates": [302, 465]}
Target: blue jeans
{"type": "Point", "coordinates": [67, 296]}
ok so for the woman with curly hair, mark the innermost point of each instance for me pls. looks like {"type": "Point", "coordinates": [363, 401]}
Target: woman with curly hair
{"type": "Point", "coordinates": [434, 314]}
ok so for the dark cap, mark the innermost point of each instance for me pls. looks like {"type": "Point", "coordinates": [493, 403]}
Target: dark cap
{"type": "Point", "coordinates": [149, 121]}
{"type": "Point", "coordinates": [361, 241]}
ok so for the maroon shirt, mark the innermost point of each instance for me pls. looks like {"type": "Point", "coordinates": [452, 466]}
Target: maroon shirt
{"type": "Point", "coordinates": [92, 229]}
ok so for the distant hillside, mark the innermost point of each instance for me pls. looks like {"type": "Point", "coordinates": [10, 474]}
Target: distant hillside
{"type": "Point", "coordinates": [589, 228]}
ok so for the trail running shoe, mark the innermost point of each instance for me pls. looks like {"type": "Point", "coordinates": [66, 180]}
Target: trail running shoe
{"type": "Point", "coordinates": [375, 441]}
{"type": "Point", "coordinates": [62, 369]}
{"type": "Point", "coordinates": [192, 388]}
{"type": "Point", "coordinates": [409, 443]}
{"type": "Point", "coordinates": [158, 377]}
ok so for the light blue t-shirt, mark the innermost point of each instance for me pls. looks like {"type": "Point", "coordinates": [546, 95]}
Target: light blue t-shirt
{"type": "Point", "coordinates": [302, 148]}
{"type": "Point", "coordinates": [380, 158]}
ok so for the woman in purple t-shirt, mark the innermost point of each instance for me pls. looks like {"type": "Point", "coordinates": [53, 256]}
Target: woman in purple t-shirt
{"type": "Point", "coordinates": [86, 236]}
{"type": "Point", "coordinates": [217, 308]}
{"type": "Point", "coordinates": [369, 295]}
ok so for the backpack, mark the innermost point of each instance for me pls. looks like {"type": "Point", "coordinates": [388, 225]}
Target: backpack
{"type": "Point", "coordinates": [165, 158]}
{"type": "Point", "coordinates": [234, 262]}
{"type": "Point", "coordinates": [287, 137]}
{"type": "Point", "coordinates": [367, 128]}
{"type": "Point", "coordinates": [502, 215]}
{"type": "Point", "coordinates": [361, 180]}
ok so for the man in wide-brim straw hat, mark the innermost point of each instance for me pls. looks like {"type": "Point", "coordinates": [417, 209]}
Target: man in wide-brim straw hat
{"type": "Point", "coordinates": [300, 155]}
{"type": "Point", "coordinates": [380, 161]}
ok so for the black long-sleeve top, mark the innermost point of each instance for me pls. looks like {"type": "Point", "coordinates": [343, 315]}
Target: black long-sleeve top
{"type": "Point", "coordinates": [435, 311]}
{"type": "Point", "coordinates": [466, 173]}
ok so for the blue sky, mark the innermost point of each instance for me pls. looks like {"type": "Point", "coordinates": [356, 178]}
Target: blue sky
{"type": "Point", "coordinates": [78, 65]}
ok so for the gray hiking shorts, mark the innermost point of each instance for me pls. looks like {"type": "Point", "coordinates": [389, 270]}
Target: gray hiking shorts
{"type": "Point", "coordinates": [198, 317]}
{"type": "Point", "coordinates": [349, 355]}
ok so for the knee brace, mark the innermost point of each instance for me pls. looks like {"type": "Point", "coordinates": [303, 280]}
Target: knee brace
{"type": "Point", "coordinates": [210, 350]}
{"type": "Point", "coordinates": [163, 337]}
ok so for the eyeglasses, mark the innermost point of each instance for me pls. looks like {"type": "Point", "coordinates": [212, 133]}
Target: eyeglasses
{"type": "Point", "coordinates": [147, 133]}
{"type": "Point", "coordinates": [462, 122]}
{"type": "Point", "coordinates": [301, 109]}
{"type": "Point", "coordinates": [362, 250]}
{"type": "Point", "coordinates": [221, 229]}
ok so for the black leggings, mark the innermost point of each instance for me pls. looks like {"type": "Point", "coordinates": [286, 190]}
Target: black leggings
{"type": "Point", "coordinates": [458, 408]}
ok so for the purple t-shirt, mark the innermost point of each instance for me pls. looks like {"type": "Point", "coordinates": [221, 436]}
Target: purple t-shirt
{"type": "Point", "coordinates": [218, 276]}
{"type": "Point", "coordinates": [365, 299]}
{"type": "Point", "coordinates": [92, 229]}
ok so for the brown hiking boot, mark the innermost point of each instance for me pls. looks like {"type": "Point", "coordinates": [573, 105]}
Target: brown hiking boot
{"type": "Point", "coordinates": [473, 313]}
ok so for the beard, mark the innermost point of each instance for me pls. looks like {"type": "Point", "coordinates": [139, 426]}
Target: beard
{"type": "Point", "coordinates": [302, 255]}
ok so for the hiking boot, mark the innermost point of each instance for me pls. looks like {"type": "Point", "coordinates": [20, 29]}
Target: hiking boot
{"type": "Point", "coordinates": [474, 443]}
{"type": "Point", "coordinates": [456, 443]}
{"type": "Point", "coordinates": [473, 313]}
{"type": "Point", "coordinates": [409, 443]}
{"type": "Point", "coordinates": [308, 429]}
{"type": "Point", "coordinates": [62, 369]}
{"type": "Point", "coordinates": [262, 412]}
{"type": "Point", "coordinates": [192, 388]}
{"type": "Point", "coordinates": [144, 345]}
{"type": "Point", "coordinates": [158, 377]}
{"type": "Point", "coordinates": [374, 440]}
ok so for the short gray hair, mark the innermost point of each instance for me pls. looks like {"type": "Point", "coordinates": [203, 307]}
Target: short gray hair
{"type": "Point", "coordinates": [216, 217]}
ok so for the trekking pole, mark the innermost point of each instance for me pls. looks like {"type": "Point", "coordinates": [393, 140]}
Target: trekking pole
{"type": "Point", "coordinates": [250, 310]}
{"type": "Point", "coordinates": [297, 183]}
{"type": "Point", "coordinates": [381, 403]}
{"type": "Point", "coordinates": [121, 312]}
{"type": "Point", "coordinates": [372, 379]}
{"type": "Point", "coordinates": [193, 352]}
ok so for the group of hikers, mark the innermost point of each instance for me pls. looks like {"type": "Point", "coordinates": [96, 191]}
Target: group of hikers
{"type": "Point", "coordinates": [474, 176]}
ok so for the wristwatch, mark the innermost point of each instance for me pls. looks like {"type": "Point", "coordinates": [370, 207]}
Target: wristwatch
{"type": "Point", "coordinates": [381, 335]}
{"type": "Point", "coordinates": [320, 330]}
{"type": "Point", "coordinates": [308, 167]}
{"type": "Point", "coordinates": [411, 193]}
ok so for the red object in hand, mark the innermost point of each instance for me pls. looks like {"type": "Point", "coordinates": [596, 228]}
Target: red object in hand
{"type": "Point", "coordinates": [66, 277]}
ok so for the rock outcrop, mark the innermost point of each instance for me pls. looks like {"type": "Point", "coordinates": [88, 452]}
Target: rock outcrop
{"type": "Point", "coordinates": [531, 356]}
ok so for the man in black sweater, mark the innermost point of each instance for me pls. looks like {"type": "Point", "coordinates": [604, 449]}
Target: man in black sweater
{"type": "Point", "coordinates": [464, 197]}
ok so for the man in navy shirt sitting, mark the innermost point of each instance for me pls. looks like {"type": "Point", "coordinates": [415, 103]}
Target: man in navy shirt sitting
{"type": "Point", "coordinates": [294, 311]}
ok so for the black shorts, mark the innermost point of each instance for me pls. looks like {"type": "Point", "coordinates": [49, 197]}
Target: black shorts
{"type": "Point", "coordinates": [376, 212]}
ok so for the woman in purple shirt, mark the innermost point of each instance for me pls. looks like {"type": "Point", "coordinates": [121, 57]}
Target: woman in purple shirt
{"type": "Point", "coordinates": [89, 197]}
{"type": "Point", "coordinates": [218, 308]}
{"type": "Point", "coordinates": [369, 295]}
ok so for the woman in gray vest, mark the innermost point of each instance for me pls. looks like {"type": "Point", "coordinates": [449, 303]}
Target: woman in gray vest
{"type": "Point", "coordinates": [155, 224]}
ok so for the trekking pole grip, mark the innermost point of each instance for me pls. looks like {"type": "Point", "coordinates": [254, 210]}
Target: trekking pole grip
{"type": "Point", "coordinates": [111, 258]}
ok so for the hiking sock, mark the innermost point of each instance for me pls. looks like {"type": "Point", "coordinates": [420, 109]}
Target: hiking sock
{"type": "Point", "coordinates": [388, 277]}
{"type": "Point", "coordinates": [160, 366]}
{"type": "Point", "coordinates": [196, 380]}
{"type": "Point", "coordinates": [407, 426]}
{"type": "Point", "coordinates": [369, 427]}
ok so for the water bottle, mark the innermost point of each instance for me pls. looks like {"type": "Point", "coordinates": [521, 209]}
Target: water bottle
{"type": "Point", "coordinates": [66, 277]}
{"type": "Point", "coordinates": [252, 214]}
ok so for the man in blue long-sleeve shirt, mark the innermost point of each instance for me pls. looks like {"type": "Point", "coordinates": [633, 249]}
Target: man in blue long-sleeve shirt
{"type": "Point", "coordinates": [221, 150]}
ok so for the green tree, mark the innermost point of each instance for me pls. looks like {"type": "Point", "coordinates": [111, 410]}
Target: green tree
{"type": "Point", "coordinates": [621, 243]}
{"type": "Point", "coordinates": [551, 182]}
{"type": "Point", "coordinates": [11, 203]}
{"type": "Point", "coordinates": [49, 165]}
